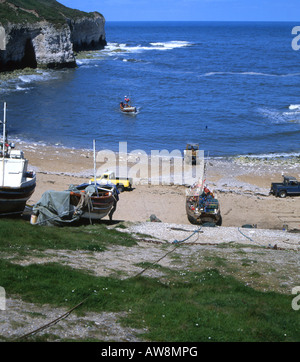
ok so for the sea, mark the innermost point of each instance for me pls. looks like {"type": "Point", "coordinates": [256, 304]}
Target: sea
{"type": "Point", "coordinates": [231, 87]}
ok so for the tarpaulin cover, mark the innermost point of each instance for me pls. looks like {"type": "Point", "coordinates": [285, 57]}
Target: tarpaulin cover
{"type": "Point", "coordinates": [54, 209]}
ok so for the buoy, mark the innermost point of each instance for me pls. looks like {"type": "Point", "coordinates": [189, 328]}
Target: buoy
{"type": "Point", "coordinates": [33, 219]}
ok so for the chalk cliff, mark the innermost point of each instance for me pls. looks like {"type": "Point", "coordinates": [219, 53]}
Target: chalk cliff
{"type": "Point", "coordinates": [87, 34]}
{"type": "Point", "coordinates": [37, 38]}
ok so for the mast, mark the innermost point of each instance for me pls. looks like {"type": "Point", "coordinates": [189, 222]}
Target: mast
{"type": "Point", "coordinates": [3, 144]}
{"type": "Point", "coordinates": [95, 181]}
{"type": "Point", "coordinates": [4, 126]}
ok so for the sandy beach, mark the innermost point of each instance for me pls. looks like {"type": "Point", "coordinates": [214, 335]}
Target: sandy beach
{"type": "Point", "coordinates": [241, 185]}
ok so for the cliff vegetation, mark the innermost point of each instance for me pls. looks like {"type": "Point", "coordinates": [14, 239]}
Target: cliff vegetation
{"type": "Point", "coordinates": [31, 11]}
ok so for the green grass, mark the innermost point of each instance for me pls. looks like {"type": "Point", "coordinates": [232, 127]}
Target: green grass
{"type": "Point", "coordinates": [184, 305]}
{"type": "Point", "coordinates": [209, 307]}
{"type": "Point", "coordinates": [217, 260]}
{"type": "Point", "coordinates": [49, 10]}
{"type": "Point", "coordinates": [19, 236]}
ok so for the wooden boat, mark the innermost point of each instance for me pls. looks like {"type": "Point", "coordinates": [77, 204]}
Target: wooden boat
{"type": "Point", "coordinates": [87, 201]}
{"type": "Point", "coordinates": [94, 201]}
{"type": "Point", "coordinates": [84, 201]}
{"type": "Point", "coordinates": [16, 183]}
{"type": "Point", "coordinates": [202, 207]}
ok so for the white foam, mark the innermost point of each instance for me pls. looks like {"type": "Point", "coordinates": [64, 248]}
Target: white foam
{"type": "Point", "coordinates": [87, 63]}
{"type": "Point", "coordinates": [18, 88]}
{"type": "Point", "coordinates": [294, 107]}
{"type": "Point", "coordinates": [81, 61]}
{"type": "Point", "coordinates": [272, 155]}
{"type": "Point", "coordinates": [36, 77]}
{"type": "Point", "coordinates": [279, 117]}
{"type": "Point", "coordinates": [209, 74]}
{"type": "Point", "coordinates": [123, 47]}
{"type": "Point", "coordinates": [170, 45]}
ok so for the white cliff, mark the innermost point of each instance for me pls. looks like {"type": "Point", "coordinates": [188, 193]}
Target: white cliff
{"type": "Point", "coordinates": [45, 44]}
{"type": "Point", "coordinates": [52, 47]}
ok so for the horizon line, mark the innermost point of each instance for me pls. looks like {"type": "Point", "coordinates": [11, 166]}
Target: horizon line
{"type": "Point", "coordinates": [210, 21]}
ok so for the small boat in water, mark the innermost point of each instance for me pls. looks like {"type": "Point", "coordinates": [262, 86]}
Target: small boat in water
{"type": "Point", "coordinates": [16, 183]}
{"type": "Point", "coordinates": [126, 107]}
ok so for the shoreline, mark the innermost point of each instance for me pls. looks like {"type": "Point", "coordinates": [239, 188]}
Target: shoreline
{"type": "Point", "coordinates": [242, 188]}
{"type": "Point", "coordinates": [284, 158]}
{"type": "Point", "coordinates": [281, 157]}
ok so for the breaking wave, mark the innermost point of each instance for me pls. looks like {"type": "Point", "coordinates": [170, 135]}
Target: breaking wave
{"type": "Point", "coordinates": [280, 117]}
{"type": "Point", "coordinates": [114, 48]}
{"type": "Point", "coordinates": [294, 107]}
{"type": "Point", "coordinates": [209, 74]}
{"type": "Point", "coordinates": [39, 77]}
{"type": "Point", "coordinates": [22, 82]}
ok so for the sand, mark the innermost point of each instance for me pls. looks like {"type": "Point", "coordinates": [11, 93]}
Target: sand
{"type": "Point", "coordinates": [242, 186]}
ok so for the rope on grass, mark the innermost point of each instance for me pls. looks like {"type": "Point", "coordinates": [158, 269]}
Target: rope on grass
{"type": "Point", "coordinates": [55, 321]}
{"type": "Point", "coordinates": [169, 252]}
{"type": "Point", "coordinates": [248, 237]}
{"type": "Point", "coordinates": [194, 232]}
{"type": "Point", "coordinates": [65, 315]}
{"type": "Point", "coordinates": [12, 213]}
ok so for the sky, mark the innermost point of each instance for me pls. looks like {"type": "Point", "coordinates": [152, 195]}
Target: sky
{"type": "Point", "coordinates": [191, 10]}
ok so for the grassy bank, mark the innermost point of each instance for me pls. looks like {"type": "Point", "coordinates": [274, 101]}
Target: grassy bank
{"type": "Point", "coordinates": [184, 305]}
{"type": "Point", "coordinates": [19, 237]}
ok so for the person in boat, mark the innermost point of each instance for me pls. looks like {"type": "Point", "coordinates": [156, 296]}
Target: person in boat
{"type": "Point", "coordinates": [207, 193]}
{"type": "Point", "coordinates": [122, 105]}
{"type": "Point", "coordinates": [127, 100]}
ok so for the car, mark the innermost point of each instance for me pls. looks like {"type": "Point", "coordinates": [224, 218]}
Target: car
{"type": "Point", "coordinates": [289, 187]}
{"type": "Point", "coordinates": [122, 183]}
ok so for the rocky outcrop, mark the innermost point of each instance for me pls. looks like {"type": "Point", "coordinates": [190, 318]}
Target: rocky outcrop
{"type": "Point", "coordinates": [37, 45]}
{"type": "Point", "coordinates": [87, 34]}
{"type": "Point", "coordinates": [46, 44]}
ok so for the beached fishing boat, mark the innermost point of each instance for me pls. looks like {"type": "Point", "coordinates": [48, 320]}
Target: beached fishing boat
{"type": "Point", "coordinates": [202, 207]}
{"type": "Point", "coordinates": [17, 184]}
{"type": "Point", "coordinates": [94, 201]}
{"type": "Point", "coordinates": [85, 201]}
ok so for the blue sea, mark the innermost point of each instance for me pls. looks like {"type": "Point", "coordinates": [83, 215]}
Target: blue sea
{"type": "Point", "coordinates": [232, 87]}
